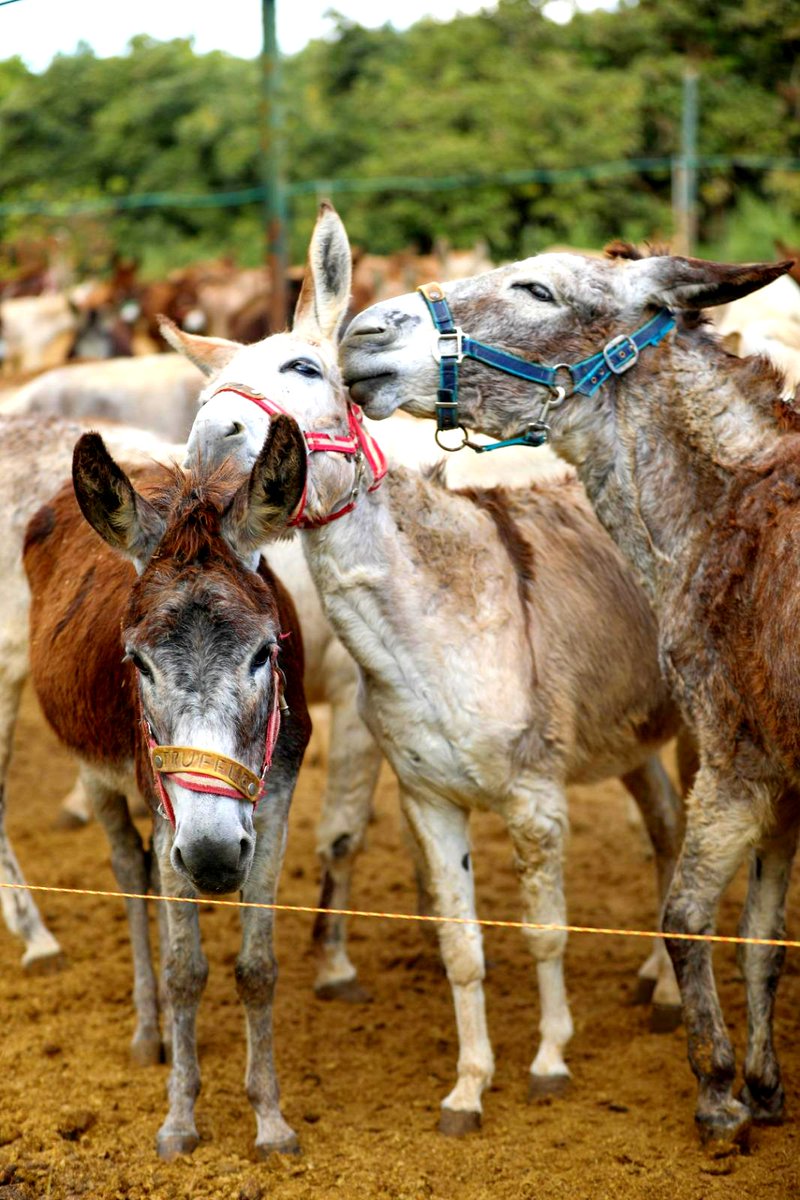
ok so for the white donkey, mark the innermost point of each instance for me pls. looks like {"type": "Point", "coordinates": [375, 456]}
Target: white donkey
{"type": "Point", "coordinates": [505, 651]}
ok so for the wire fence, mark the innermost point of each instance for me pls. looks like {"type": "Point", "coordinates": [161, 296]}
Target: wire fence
{"type": "Point", "coordinates": [485, 922]}
{"type": "Point", "coordinates": [99, 205]}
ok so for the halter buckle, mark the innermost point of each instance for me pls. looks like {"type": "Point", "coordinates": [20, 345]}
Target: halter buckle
{"type": "Point", "coordinates": [625, 360]}
{"type": "Point", "coordinates": [455, 337]}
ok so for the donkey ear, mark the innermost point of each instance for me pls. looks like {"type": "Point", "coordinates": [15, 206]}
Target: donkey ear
{"type": "Point", "coordinates": [325, 294]}
{"type": "Point", "coordinates": [676, 282]}
{"type": "Point", "coordinates": [111, 505]}
{"type": "Point", "coordinates": [264, 504]}
{"type": "Point", "coordinates": [208, 353]}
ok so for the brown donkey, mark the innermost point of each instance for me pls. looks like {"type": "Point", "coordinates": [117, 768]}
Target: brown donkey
{"type": "Point", "coordinates": [172, 667]}
{"type": "Point", "coordinates": [692, 462]}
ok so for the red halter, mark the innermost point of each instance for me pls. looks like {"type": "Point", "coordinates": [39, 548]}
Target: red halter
{"type": "Point", "coordinates": [188, 778]}
{"type": "Point", "coordinates": [359, 443]}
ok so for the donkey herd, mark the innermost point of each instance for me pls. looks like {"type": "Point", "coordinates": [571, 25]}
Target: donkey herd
{"type": "Point", "coordinates": [495, 644]}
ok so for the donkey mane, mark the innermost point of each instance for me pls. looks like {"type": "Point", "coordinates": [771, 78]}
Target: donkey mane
{"type": "Point", "coordinates": [627, 250]}
{"type": "Point", "coordinates": [193, 503]}
{"type": "Point", "coordinates": [496, 503]}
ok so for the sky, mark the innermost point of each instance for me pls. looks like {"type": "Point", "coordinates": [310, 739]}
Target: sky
{"type": "Point", "coordinates": [39, 29]}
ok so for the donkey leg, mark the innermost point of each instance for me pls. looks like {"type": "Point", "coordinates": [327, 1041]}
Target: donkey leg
{"type": "Point", "coordinates": [721, 825]}
{"type": "Point", "coordinates": [441, 832]}
{"type": "Point", "coordinates": [186, 971]}
{"type": "Point", "coordinates": [354, 761]}
{"type": "Point", "coordinates": [662, 812]}
{"type": "Point", "coordinates": [256, 974]}
{"type": "Point", "coordinates": [76, 808]}
{"type": "Point", "coordinates": [129, 863]}
{"type": "Point", "coordinates": [764, 917]}
{"type": "Point", "coordinates": [162, 925]}
{"type": "Point", "coordinates": [42, 951]}
{"type": "Point", "coordinates": [538, 824]}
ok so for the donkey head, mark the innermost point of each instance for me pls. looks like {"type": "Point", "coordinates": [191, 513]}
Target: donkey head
{"type": "Point", "coordinates": [201, 627]}
{"type": "Point", "coordinates": [296, 371]}
{"type": "Point", "coordinates": [550, 309]}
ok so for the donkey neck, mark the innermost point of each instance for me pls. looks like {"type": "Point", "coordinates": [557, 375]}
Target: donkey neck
{"type": "Point", "coordinates": [405, 580]}
{"type": "Point", "coordinates": [660, 448]}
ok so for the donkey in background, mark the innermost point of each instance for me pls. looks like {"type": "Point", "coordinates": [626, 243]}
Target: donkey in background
{"type": "Point", "coordinates": [691, 459]}
{"type": "Point", "coordinates": [504, 648]}
{"type": "Point", "coordinates": [195, 669]}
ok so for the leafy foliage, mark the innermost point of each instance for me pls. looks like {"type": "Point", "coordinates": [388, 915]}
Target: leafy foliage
{"type": "Point", "coordinates": [503, 90]}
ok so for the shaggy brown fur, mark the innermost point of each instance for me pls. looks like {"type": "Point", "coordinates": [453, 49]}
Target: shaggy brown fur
{"type": "Point", "coordinates": [88, 693]}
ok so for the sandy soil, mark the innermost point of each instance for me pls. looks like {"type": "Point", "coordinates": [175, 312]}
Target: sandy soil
{"type": "Point", "coordinates": [362, 1085]}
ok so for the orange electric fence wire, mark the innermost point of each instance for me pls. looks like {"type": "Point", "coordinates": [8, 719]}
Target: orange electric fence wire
{"type": "Point", "coordinates": [390, 916]}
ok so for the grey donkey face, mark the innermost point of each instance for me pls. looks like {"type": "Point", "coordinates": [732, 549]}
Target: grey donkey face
{"type": "Point", "coordinates": [200, 626]}
{"type": "Point", "coordinates": [552, 308]}
{"type": "Point", "coordinates": [204, 663]}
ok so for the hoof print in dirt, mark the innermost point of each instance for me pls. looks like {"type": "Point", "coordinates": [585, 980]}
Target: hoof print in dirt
{"type": "Point", "coordinates": [8, 1134]}
{"type": "Point", "coordinates": [349, 991]}
{"type": "Point", "coordinates": [75, 1123]}
{"type": "Point", "coordinates": [665, 1018]}
{"type": "Point", "coordinates": [16, 1191]}
{"type": "Point", "coordinates": [458, 1123]}
{"type": "Point", "coordinates": [543, 1086]}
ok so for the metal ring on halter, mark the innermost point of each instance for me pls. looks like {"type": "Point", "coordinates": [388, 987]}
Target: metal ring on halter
{"type": "Point", "coordinates": [562, 366]}
{"type": "Point", "coordinates": [452, 449]}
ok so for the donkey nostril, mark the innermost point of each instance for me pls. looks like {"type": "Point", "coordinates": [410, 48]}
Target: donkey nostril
{"type": "Point", "coordinates": [236, 430]}
{"type": "Point", "coordinates": [244, 849]}
{"type": "Point", "coordinates": [177, 857]}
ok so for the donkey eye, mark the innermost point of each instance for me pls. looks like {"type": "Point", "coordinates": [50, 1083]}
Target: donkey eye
{"type": "Point", "coordinates": [261, 657]}
{"type": "Point", "coordinates": [139, 663]}
{"type": "Point", "coordinates": [302, 366]}
{"type": "Point", "coordinates": [538, 291]}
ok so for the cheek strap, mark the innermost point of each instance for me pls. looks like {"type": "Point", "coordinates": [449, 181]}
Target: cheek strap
{"type": "Point", "coordinates": [190, 764]}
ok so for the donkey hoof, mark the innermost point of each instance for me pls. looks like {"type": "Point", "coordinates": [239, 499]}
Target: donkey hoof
{"type": "Point", "coordinates": [67, 820]}
{"type": "Point", "coordinates": [643, 992]}
{"type": "Point", "coordinates": [146, 1050]}
{"type": "Point", "coordinates": [45, 964]}
{"type": "Point", "coordinates": [458, 1122]}
{"type": "Point", "coordinates": [348, 990]}
{"type": "Point", "coordinates": [547, 1085]}
{"type": "Point", "coordinates": [172, 1145]}
{"type": "Point", "coordinates": [665, 1018]}
{"type": "Point", "coordinates": [289, 1145]}
{"type": "Point", "coordinates": [727, 1126]}
{"type": "Point", "coordinates": [765, 1110]}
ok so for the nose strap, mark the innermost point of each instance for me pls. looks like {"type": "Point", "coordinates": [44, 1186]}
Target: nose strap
{"type": "Point", "coordinates": [188, 760]}
{"type": "Point", "coordinates": [452, 345]}
{"type": "Point", "coordinates": [190, 764]}
{"type": "Point", "coordinates": [357, 443]}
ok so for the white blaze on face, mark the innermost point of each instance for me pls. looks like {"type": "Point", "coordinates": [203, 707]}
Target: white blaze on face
{"type": "Point", "coordinates": [274, 368]}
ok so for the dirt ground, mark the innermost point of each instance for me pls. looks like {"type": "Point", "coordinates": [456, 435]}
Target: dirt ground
{"type": "Point", "coordinates": [362, 1084]}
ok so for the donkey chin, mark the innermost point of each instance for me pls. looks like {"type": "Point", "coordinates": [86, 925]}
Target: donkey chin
{"type": "Point", "coordinates": [214, 841]}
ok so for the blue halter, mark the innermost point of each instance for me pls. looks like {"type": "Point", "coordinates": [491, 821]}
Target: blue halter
{"type": "Point", "coordinates": [452, 345]}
